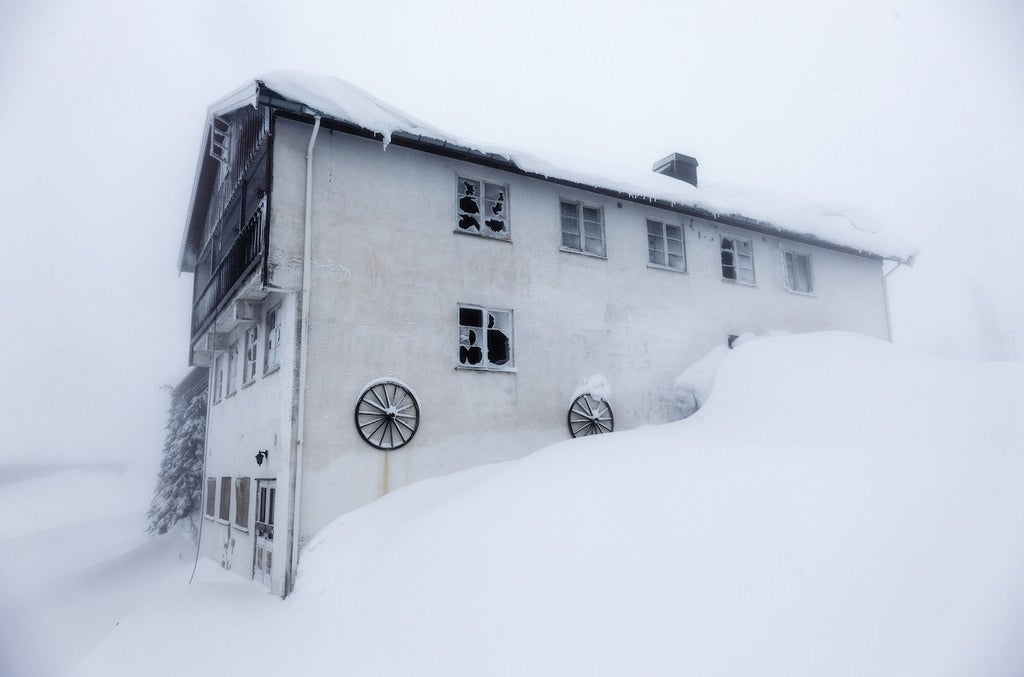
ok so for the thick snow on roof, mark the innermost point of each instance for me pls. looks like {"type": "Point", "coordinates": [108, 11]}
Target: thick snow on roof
{"type": "Point", "coordinates": [335, 98]}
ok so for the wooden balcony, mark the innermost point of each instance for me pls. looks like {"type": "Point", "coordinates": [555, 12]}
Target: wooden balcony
{"type": "Point", "coordinates": [226, 268]}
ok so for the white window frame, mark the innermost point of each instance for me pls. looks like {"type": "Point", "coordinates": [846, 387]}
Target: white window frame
{"type": "Point", "coordinates": [485, 203]}
{"type": "Point", "coordinates": [230, 379]}
{"type": "Point", "coordinates": [580, 228]}
{"type": "Point", "coordinates": [210, 509]}
{"type": "Point", "coordinates": [471, 337]}
{"type": "Point", "coordinates": [218, 377]}
{"type": "Point", "coordinates": [252, 343]}
{"type": "Point", "coordinates": [664, 240]}
{"type": "Point", "coordinates": [735, 265]}
{"type": "Point", "coordinates": [272, 341]}
{"type": "Point", "coordinates": [787, 280]}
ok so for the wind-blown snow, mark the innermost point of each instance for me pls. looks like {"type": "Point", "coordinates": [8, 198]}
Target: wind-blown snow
{"type": "Point", "coordinates": [851, 227]}
{"type": "Point", "coordinates": [837, 507]}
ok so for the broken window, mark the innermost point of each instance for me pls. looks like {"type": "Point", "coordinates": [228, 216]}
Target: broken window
{"type": "Point", "coordinates": [483, 208]}
{"type": "Point", "coordinates": [249, 367]}
{"type": "Point", "coordinates": [582, 228]}
{"type": "Point", "coordinates": [271, 358]}
{"type": "Point", "coordinates": [665, 245]}
{"type": "Point", "coordinates": [231, 378]}
{"type": "Point", "coordinates": [737, 259]}
{"type": "Point", "coordinates": [798, 272]}
{"type": "Point", "coordinates": [485, 338]}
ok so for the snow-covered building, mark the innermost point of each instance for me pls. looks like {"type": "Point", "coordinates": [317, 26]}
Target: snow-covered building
{"type": "Point", "coordinates": [381, 302]}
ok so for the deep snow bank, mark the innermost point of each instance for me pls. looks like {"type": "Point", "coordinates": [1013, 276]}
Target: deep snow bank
{"type": "Point", "coordinates": [837, 507]}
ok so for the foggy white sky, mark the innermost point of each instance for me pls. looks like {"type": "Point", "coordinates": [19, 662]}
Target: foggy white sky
{"type": "Point", "coordinates": [911, 109]}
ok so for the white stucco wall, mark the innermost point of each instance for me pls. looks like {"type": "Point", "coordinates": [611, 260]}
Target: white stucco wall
{"type": "Point", "coordinates": [257, 417]}
{"type": "Point", "coordinates": [389, 273]}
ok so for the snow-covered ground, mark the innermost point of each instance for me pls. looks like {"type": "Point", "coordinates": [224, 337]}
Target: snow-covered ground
{"type": "Point", "coordinates": [837, 507]}
{"type": "Point", "coordinates": [75, 559]}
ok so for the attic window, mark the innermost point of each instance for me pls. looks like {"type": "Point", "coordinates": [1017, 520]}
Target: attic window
{"type": "Point", "coordinates": [737, 260]}
{"type": "Point", "coordinates": [665, 245]}
{"type": "Point", "coordinates": [798, 272]}
{"type": "Point", "coordinates": [582, 228]}
{"type": "Point", "coordinates": [220, 140]}
{"type": "Point", "coordinates": [482, 208]}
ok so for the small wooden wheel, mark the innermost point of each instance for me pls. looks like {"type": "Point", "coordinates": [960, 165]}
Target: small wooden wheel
{"type": "Point", "coordinates": [590, 416]}
{"type": "Point", "coordinates": [387, 415]}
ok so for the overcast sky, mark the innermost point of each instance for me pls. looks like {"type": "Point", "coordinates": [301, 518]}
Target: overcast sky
{"type": "Point", "coordinates": [910, 109]}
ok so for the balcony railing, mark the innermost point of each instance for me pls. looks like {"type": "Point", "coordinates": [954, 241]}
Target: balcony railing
{"type": "Point", "coordinates": [238, 261]}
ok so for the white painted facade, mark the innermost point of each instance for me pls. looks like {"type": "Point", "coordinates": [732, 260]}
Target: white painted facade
{"type": "Point", "coordinates": [389, 269]}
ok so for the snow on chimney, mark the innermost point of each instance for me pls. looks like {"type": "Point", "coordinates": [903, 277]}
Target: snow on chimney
{"type": "Point", "coordinates": [678, 166]}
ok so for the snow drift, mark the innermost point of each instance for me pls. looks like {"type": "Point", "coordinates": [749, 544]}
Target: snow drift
{"type": "Point", "coordinates": [837, 507]}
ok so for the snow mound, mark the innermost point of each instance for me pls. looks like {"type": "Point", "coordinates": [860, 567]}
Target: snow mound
{"type": "Point", "coordinates": [596, 386]}
{"type": "Point", "coordinates": [838, 507]}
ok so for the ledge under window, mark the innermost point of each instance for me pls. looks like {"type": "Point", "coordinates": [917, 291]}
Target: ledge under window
{"type": "Point", "coordinates": [655, 266]}
{"type": "Point", "coordinates": [603, 257]}
{"type": "Point", "coordinates": [486, 370]}
{"type": "Point", "coordinates": [481, 236]}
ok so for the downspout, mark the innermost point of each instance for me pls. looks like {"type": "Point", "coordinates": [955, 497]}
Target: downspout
{"type": "Point", "coordinates": [303, 358]}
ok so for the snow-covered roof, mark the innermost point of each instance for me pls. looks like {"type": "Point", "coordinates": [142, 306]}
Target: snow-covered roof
{"type": "Point", "coordinates": [334, 98]}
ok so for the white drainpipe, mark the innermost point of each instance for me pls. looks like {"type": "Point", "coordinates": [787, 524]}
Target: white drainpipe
{"type": "Point", "coordinates": [303, 357]}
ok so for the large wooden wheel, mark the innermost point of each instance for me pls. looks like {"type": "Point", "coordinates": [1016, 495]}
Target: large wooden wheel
{"type": "Point", "coordinates": [590, 416]}
{"type": "Point", "coordinates": [387, 415]}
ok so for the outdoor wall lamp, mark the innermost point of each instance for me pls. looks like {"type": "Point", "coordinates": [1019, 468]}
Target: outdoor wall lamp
{"type": "Point", "coordinates": [261, 456]}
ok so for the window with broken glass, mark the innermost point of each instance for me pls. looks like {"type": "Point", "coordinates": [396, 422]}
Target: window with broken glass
{"type": "Point", "coordinates": [737, 260]}
{"type": "Point", "coordinates": [483, 208]}
{"type": "Point", "coordinates": [582, 228]}
{"type": "Point", "coordinates": [249, 366]}
{"type": "Point", "coordinates": [665, 247]}
{"type": "Point", "coordinates": [798, 272]}
{"type": "Point", "coordinates": [271, 358]}
{"type": "Point", "coordinates": [485, 338]}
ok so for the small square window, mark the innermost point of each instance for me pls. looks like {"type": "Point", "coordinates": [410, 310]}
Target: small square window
{"type": "Point", "coordinates": [665, 247]}
{"type": "Point", "coordinates": [482, 208]}
{"type": "Point", "coordinates": [485, 338]}
{"type": "Point", "coordinates": [798, 275]}
{"type": "Point", "coordinates": [582, 228]}
{"type": "Point", "coordinates": [249, 365]}
{"type": "Point", "coordinates": [737, 259]}
{"type": "Point", "coordinates": [271, 354]}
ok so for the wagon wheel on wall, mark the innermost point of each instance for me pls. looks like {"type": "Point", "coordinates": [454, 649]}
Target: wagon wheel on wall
{"type": "Point", "coordinates": [387, 415]}
{"type": "Point", "coordinates": [590, 416]}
